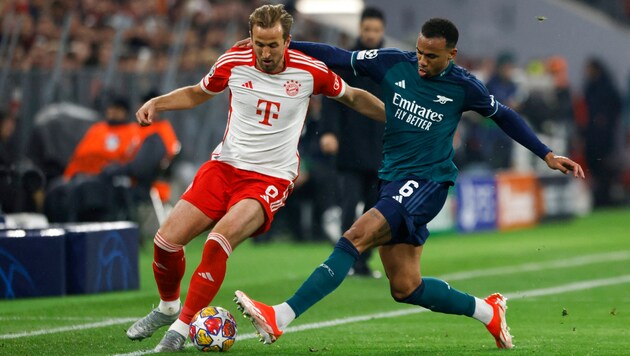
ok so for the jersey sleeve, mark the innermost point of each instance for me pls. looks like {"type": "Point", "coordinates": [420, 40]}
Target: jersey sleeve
{"type": "Point", "coordinates": [374, 63]}
{"type": "Point", "coordinates": [513, 125]}
{"type": "Point", "coordinates": [216, 80]}
{"type": "Point", "coordinates": [334, 57]}
{"type": "Point", "coordinates": [478, 98]}
{"type": "Point", "coordinates": [329, 84]}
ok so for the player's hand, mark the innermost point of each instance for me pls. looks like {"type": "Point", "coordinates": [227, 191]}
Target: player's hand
{"type": "Point", "coordinates": [564, 165]}
{"type": "Point", "coordinates": [245, 43]}
{"type": "Point", "coordinates": [329, 144]}
{"type": "Point", "coordinates": [146, 113]}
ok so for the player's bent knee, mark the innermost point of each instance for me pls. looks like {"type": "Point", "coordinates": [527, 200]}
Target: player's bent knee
{"type": "Point", "coordinates": [162, 242]}
{"type": "Point", "coordinates": [401, 293]}
{"type": "Point", "coordinates": [400, 296]}
{"type": "Point", "coordinates": [353, 234]}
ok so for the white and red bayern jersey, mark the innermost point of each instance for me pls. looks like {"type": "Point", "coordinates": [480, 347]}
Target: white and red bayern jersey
{"type": "Point", "coordinates": [267, 111]}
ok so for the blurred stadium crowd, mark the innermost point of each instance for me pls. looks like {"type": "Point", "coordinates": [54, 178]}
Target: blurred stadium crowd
{"type": "Point", "coordinates": [65, 63]}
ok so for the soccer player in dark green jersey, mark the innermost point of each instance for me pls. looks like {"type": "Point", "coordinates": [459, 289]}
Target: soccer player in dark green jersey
{"type": "Point", "coordinates": [425, 94]}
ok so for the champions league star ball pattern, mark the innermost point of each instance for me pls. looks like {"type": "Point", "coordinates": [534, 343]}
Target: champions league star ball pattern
{"type": "Point", "coordinates": [213, 329]}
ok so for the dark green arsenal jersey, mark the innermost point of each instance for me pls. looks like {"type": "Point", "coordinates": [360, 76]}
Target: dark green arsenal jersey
{"type": "Point", "coordinates": [422, 113]}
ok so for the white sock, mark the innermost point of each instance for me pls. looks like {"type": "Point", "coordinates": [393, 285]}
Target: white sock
{"type": "Point", "coordinates": [284, 315]}
{"type": "Point", "coordinates": [483, 311]}
{"type": "Point", "coordinates": [169, 308]}
{"type": "Point", "coordinates": [180, 327]}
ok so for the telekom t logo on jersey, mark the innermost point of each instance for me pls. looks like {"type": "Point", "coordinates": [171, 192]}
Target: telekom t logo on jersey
{"type": "Point", "coordinates": [267, 107]}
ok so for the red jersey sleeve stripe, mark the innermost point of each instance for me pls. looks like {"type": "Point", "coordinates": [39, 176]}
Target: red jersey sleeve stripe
{"type": "Point", "coordinates": [234, 62]}
{"type": "Point", "coordinates": [223, 60]}
{"type": "Point", "coordinates": [297, 55]}
{"type": "Point", "coordinates": [310, 64]}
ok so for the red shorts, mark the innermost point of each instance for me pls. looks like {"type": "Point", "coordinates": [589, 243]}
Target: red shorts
{"type": "Point", "coordinates": [218, 186]}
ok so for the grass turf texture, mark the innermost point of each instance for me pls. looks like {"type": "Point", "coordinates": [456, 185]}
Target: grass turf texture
{"type": "Point", "coordinates": [596, 320]}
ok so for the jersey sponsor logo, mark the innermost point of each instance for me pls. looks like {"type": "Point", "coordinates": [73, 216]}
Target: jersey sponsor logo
{"type": "Point", "coordinates": [367, 54]}
{"type": "Point", "coordinates": [248, 85]}
{"type": "Point", "coordinates": [264, 108]}
{"type": "Point", "coordinates": [400, 84]}
{"type": "Point", "coordinates": [414, 114]}
{"type": "Point", "coordinates": [398, 198]}
{"type": "Point", "coordinates": [442, 99]}
{"type": "Point", "coordinates": [292, 87]}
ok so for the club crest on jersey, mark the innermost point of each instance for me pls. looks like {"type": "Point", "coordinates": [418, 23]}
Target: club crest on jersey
{"type": "Point", "coordinates": [292, 87]}
{"type": "Point", "coordinates": [442, 99]}
{"type": "Point", "coordinates": [112, 142]}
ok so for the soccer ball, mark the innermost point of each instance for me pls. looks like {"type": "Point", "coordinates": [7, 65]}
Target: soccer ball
{"type": "Point", "coordinates": [213, 329]}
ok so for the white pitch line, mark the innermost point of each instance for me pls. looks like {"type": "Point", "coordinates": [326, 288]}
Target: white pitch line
{"type": "Point", "coordinates": [53, 318]}
{"type": "Point", "coordinates": [571, 287]}
{"type": "Point", "coordinates": [540, 266]}
{"type": "Point", "coordinates": [528, 267]}
{"type": "Point", "coordinates": [100, 324]}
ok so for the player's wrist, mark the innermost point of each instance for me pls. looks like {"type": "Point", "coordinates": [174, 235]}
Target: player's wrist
{"type": "Point", "coordinates": [549, 156]}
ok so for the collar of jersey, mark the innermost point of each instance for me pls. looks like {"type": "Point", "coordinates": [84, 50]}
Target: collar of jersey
{"type": "Point", "coordinates": [287, 59]}
{"type": "Point", "coordinates": [448, 68]}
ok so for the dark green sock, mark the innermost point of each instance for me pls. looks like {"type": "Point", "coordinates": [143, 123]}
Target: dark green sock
{"type": "Point", "coordinates": [438, 296]}
{"type": "Point", "coordinates": [326, 277]}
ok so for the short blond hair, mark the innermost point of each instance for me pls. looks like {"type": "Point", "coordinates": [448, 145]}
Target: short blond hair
{"type": "Point", "coordinates": [267, 16]}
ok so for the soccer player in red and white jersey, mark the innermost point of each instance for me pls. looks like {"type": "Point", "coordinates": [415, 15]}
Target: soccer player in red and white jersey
{"type": "Point", "coordinates": [251, 172]}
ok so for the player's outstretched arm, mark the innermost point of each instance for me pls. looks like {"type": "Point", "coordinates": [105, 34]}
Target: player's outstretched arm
{"type": "Point", "coordinates": [179, 99]}
{"type": "Point", "coordinates": [564, 165]}
{"type": "Point", "coordinates": [513, 125]}
{"type": "Point", "coordinates": [363, 102]}
{"type": "Point", "coordinates": [334, 57]}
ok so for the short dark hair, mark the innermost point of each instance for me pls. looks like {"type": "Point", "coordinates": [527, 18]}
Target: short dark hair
{"type": "Point", "coordinates": [372, 13]}
{"type": "Point", "coordinates": [267, 16]}
{"type": "Point", "coordinates": [119, 101]}
{"type": "Point", "coordinates": [441, 28]}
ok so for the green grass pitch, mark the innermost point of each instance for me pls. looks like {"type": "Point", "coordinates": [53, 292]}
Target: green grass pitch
{"type": "Point", "coordinates": [568, 284]}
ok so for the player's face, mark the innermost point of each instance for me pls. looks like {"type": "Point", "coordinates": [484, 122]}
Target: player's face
{"type": "Point", "coordinates": [115, 114]}
{"type": "Point", "coordinates": [371, 32]}
{"type": "Point", "coordinates": [269, 46]}
{"type": "Point", "coordinates": [433, 55]}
